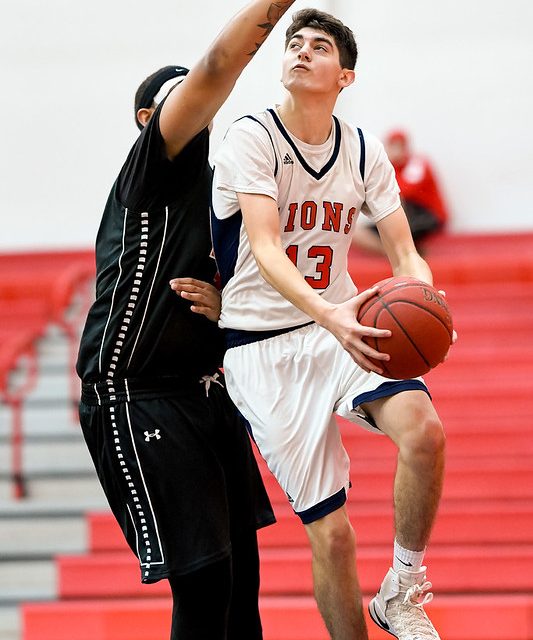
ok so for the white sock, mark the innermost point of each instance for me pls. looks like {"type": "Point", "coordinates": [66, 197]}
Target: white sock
{"type": "Point", "coordinates": [405, 560]}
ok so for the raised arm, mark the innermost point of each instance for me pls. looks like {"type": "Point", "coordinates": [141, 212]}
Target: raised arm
{"type": "Point", "coordinates": [192, 105]}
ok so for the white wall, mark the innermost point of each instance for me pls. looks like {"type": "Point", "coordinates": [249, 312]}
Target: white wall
{"type": "Point", "coordinates": [457, 75]}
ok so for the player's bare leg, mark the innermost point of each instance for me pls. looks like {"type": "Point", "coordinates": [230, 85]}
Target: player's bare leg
{"type": "Point", "coordinates": [336, 584]}
{"type": "Point", "coordinates": [411, 421]}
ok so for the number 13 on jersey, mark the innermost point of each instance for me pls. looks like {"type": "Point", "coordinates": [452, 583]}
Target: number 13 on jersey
{"type": "Point", "coordinates": [323, 254]}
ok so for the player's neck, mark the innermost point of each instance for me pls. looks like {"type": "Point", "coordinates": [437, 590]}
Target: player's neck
{"type": "Point", "coordinates": [310, 122]}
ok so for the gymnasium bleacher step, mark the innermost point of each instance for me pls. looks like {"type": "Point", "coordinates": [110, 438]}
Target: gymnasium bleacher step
{"type": "Point", "coordinates": [464, 617]}
{"type": "Point", "coordinates": [459, 523]}
{"type": "Point", "coordinates": [42, 421]}
{"type": "Point", "coordinates": [27, 580]}
{"type": "Point", "coordinates": [50, 487]}
{"type": "Point", "coordinates": [478, 437]}
{"type": "Point", "coordinates": [63, 455]}
{"type": "Point", "coordinates": [10, 622]}
{"type": "Point", "coordinates": [29, 537]}
{"type": "Point", "coordinates": [473, 479]}
{"type": "Point", "coordinates": [485, 568]}
{"type": "Point", "coordinates": [34, 509]}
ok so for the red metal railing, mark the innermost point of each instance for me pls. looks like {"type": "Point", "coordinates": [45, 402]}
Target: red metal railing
{"type": "Point", "coordinates": [36, 291]}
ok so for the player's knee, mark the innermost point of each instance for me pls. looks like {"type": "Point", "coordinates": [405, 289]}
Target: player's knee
{"type": "Point", "coordinates": [331, 537]}
{"type": "Point", "coordinates": [424, 438]}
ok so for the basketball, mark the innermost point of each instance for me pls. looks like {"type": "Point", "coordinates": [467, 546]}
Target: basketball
{"type": "Point", "coordinates": [420, 323]}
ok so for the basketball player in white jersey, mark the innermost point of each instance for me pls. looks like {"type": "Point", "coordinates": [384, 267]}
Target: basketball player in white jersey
{"type": "Point", "coordinates": [289, 184]}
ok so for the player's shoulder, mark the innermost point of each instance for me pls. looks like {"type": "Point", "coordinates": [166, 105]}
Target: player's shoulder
{"type": "Point", "coordinates": [252, 131]}
{"type": "Point", "coordinates": [247, 137]}
{"type": "Point", "coordinates": [252, 123]}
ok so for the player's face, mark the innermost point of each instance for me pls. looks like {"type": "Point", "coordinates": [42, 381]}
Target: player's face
{"type": "Point", "coordinates": [311, 63]}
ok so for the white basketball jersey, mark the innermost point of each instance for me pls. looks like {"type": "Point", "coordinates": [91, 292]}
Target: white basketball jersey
{"type": "Point", "coordinates": [320, 191]}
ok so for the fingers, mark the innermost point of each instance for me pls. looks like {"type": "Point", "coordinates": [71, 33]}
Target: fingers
{"type": "Point", "coordinates": [366, 364]}
{"type": "Point", "coordinates": [369, 359]}
{"type": "Point", "coordinates": [373, 332]}
{"type": "Point", "coordinates": [190, 285]}
{"type": "Point", "coordinates": [365, 295]}
{"type": "Point", "coordinates": [363, 329]}
{"type": "Point", "coordinates": [205, 298]}
{"type": "Point", "coordinates": [366, 357]}
{"type": "Point", "coordinates": [355, 337]}
{"type": "Point", "coordinates": [454, 332]}
{"type": "Point", "coordinates": [193, 290]}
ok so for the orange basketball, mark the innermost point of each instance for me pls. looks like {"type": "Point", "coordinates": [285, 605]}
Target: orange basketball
{"type": "Point", "coordinates": [420, 322]}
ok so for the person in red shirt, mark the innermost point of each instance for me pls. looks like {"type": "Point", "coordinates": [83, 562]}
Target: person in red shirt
{"type": "Point", "coordinates": [421, 197]}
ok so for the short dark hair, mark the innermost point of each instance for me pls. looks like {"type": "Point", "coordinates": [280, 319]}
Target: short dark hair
{"type": "Point", "coordinates": [343, 35]}
{"type": "Point", "coordinates": [149, 87]}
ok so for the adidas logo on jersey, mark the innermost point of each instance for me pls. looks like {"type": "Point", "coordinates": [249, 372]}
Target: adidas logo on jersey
{"type": "Point", "coordinates": [287, 159]}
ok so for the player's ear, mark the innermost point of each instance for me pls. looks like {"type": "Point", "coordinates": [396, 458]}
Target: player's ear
{"type": "Point", "coordinates": [346, 78]}
{"type": "Point", "coordinates": [144, 115]}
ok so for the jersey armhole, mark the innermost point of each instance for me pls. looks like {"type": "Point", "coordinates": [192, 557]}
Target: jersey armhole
{"type": "Point", "coordinates": [271, 142]}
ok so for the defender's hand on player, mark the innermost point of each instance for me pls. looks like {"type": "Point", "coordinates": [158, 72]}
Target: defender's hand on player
{"type": "Point", "coordinates": [205, 297]}
{"type": "Point", "coordinates": [345, 327]}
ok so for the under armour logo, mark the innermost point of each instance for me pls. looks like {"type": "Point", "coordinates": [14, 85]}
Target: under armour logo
{"type": "Point", "coordinates": [148, 435]}
{"type": "Point", "coordinates": [287, 159]}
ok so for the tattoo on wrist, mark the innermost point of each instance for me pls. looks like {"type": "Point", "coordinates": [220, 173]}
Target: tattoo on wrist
{"type": "Point", "coordinates": [274, 13]}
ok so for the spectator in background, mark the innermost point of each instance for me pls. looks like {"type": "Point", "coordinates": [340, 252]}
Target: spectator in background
{"type": "Point", "coordinates": [421, 198]}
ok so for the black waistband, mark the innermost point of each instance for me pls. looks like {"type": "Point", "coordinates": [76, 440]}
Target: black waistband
{"type": "Point", "coordinates": [126, 389]}
{"type": "Point", "coordinates": [238, 337]}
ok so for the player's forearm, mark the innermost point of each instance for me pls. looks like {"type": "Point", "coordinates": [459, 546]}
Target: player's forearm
{"type": "Point", "coordinates": [242, 37]}
{"type": "Point", "coordinates": [412, 264]}
{"type": "Point", "coordinates": [280, 273]}
{"type": "Point", "coordinates": [400, 249]}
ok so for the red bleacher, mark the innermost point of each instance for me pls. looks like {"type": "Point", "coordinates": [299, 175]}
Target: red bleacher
{"type": "Point", "coordinates": [501, 521]}
{"type": "Point", "coordinates": [286, 570]}
{"type": "Point", "coordinates": [460, 617]}
{"type": "Point", "coordinates": [36, 290]}
{"type": "Point", "coordinates": [481, 556]}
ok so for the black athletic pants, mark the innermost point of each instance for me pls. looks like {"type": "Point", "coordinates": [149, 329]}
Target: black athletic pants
{"type": "Point", "coordinates": [219, 601]}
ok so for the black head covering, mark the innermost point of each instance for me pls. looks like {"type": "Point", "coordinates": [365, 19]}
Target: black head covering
{"type": "Point", "coordinates": [150, 87]}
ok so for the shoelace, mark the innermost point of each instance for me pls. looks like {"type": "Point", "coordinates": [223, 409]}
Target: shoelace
{"type": "Point", "coordinates": [414, 620]}
{"type": "Point", "coordinates": [415, 591]}
{"type": "Point", "coordinates": [207, 380]}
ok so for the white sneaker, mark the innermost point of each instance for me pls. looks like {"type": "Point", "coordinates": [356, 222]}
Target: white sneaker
{"type": "Point", "coordinates": [398, 606]}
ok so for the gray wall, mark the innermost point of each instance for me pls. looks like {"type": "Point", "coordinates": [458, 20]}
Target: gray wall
{"type": "Point", "coordinates": [456, 75]}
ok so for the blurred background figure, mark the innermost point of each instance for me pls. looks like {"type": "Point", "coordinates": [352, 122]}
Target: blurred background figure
{"type": "Point", "coordinates": [420, 194]}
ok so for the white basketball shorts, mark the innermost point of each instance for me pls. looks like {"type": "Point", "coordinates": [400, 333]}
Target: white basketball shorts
{"type": "Point", "coordinates": [289, 387]}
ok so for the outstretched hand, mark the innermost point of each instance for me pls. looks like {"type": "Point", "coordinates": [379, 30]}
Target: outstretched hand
{"type": "Point", "coordinates": [205, 297]}
{"type": "Point", "coordinates": [342, 323]}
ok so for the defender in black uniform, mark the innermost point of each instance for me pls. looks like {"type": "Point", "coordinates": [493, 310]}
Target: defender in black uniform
{"type": "Point", "coordinates": [172, 455]}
